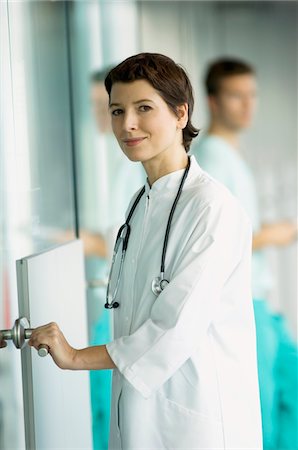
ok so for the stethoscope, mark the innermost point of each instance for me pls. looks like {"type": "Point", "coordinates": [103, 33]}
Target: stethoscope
{"type": "Point", "coordinates": [159, 283]}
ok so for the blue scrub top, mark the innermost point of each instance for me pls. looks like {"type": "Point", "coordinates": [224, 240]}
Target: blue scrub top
{"type": "Point", "coordinates": [224, 163]}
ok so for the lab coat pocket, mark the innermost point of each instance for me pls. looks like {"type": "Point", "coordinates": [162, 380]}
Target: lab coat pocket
{"type": "Point", "coordinates": [183, 428]}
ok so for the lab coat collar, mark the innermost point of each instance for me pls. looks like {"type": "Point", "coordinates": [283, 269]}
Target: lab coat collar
{"type": "Point", "coordinates": [172, 180]}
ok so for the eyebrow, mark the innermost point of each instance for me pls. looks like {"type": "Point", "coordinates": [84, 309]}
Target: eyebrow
{"type": "Point", "coordinates": [135, 103]}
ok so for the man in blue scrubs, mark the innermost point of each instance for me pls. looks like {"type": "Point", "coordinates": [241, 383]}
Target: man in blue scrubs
{"type": "Point", "coordinates": [231, 89]}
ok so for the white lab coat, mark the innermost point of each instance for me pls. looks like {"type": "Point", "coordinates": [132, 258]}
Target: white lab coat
{"type": "Point", "coordinates": [186, 374]}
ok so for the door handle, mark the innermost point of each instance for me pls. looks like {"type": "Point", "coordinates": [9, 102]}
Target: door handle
{"type": "Point", "coordinates": [21, 332]}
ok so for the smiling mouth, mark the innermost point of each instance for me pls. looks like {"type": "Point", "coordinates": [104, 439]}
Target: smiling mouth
{"type": "Point", "coordinates": [134, 141]}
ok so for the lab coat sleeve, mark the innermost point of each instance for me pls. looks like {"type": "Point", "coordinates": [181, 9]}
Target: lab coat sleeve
{"type": "Point", "coordinates": [183, 312]}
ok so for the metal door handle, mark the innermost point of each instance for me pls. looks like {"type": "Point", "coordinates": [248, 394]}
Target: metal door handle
{"type": "Point", "coordinates": [19, 333]}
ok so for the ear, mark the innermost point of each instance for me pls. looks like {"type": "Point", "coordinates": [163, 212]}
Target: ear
{"type": "Point", "coordinates": [212, 103]}
{"type": "Point", "coordinates": [182, 113]}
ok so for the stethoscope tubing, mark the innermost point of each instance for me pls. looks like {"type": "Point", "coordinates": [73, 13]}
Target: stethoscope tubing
{"type": "Point", "coordinates": [167, 234]}
{"type": "Point", "coordinates": [161, 281]}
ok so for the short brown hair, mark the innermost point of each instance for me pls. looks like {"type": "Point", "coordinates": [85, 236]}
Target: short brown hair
{"type": "Point", "coordinates": [167, 77]}
{"type": "Point", "coordinates": [224, 68]}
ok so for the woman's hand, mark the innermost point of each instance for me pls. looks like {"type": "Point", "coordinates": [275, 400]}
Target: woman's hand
{"type": "Point", "coordinates": [51, 335]}
{"type": "Point", "coordinates": [67, 357]}
{"type": "Point", "coordinates": [3, 343]}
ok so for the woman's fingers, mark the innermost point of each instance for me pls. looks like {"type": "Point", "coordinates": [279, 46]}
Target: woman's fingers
{"type": "Point", "coordinates": [3, 343]}
{"type": "Point", "coordinates": [51, 335]}
{"type": "Point", "coordinates": [44, 335]}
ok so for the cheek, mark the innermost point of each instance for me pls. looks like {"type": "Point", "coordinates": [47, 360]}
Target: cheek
{"type": "Point", "coordinates": [234, 108]}
{"type": "Point", "coordinates": [161, 127]}
{"type": "Point", "coordinates": [235, 104]}
{"type": "Point", "coordinates": [115, 127]}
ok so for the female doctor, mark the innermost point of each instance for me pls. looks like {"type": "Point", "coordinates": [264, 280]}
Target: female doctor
{"type": "Point", "coordinates": [183, 354]}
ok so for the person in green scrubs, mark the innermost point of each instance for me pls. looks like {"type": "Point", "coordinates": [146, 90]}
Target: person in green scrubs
{"type": "Point", "coordinates": [231, 90]}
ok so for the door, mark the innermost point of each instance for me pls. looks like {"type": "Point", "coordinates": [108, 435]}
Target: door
{"type": "Point", "coordinates": [51, 286]}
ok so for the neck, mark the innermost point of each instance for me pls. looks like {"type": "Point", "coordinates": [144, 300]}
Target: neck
{"type": "Point", "coordinates": [231, 136]}
{"type": "Point", "coordinates": [165, 163]}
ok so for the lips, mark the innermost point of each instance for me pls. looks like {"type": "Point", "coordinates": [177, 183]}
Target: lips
{"type": "Point", "coordinates": [133, 141]}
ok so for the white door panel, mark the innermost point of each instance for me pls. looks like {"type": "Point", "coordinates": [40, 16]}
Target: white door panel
{"type": "Point", "coordinates": [51, 287]}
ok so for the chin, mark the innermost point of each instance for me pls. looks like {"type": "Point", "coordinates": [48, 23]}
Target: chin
{"type": "Point", "coordinates": [242, 125]}
{"type": "Point", "coordinates": [138, 155]}
{"type": "Point", "coordinates": [133, 159]}
{"type": "Point", "coordinates": [133, 156]}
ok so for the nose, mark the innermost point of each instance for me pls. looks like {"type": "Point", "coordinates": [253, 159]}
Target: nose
{"type": "Point", "coordinates": [130, 121]}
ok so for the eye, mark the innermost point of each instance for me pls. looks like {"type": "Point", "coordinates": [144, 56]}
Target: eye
{"type": "Point", "coordinates": [145, 108]}
{"type": "Point", "coordinates": [117, 112]}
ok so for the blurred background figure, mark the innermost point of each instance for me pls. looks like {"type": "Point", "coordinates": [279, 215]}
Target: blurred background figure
{"type": "Point", "coordinates": [119, 180]}
{"type": "Point", "coordinates": [231, 88]}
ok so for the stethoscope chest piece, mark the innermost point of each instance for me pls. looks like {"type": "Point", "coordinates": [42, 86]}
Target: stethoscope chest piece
{"type": "Point", "coordinates": [158, 285]}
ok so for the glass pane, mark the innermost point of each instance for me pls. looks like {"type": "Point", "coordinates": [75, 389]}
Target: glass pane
{"type": "Point", "coordinates": [36, 178]}
{"type": "Point", "coordinates": [40, 170]}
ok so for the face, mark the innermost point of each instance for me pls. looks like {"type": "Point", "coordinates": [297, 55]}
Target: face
{"type": "Point", "coordinates": [235, 103]}
{"type": "Point", "coordinates": [142, 122]}
{"type": "Point", "coordinates": [100, 105]}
